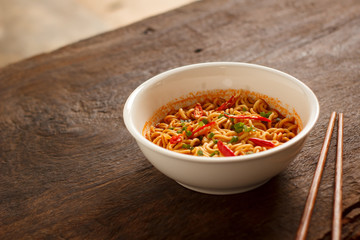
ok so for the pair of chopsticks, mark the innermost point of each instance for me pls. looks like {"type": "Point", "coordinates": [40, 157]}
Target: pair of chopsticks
{"type": "Point", "coordinates": [310, 202]}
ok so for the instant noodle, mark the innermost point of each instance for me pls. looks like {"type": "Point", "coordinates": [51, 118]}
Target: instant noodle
{"type": "Point", "coordinates": [217, 127]}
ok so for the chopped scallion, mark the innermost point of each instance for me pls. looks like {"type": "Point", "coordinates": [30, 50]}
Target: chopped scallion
{"type": "Point", "coordinates": [248, 129]}
{"type": "Point", "coordinates": [188, 133]}
{"type": "Point", "coordinates": [239, 127]}
{"type": "Point", "coordinates": [211, 135]}
{"type": "Point", "coordinates": [205, 121]}
{"type": "Point", "coordinates": [215, 152]}
{"type": "Point", "coordinates": [187, 146]}
{"type": "Point", "coordinates": [264, 114]}
{"type": "Point", "coordinates": [234, 139]}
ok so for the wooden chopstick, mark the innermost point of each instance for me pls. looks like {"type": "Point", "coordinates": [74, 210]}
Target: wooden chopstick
{"type": "Point", "coordinates": [336, 224]}
{"type": "Point", "coordinates": [310, 202]}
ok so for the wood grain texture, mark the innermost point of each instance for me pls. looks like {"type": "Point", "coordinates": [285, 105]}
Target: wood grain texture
{"type": "Point", "coordinates": [70, 170]}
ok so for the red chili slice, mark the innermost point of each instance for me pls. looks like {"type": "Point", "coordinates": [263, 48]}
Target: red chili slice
{"type": "Point", "coordinates": [262, 142]}
{"type": "Point", "coordinates": [225, 150]}
{"type": "Point", "coordinates": [255, 117]}
{"type": "Point", "coordinates": [176, 139]}
{"type": "Point", "coordinates": [198, 111]}
{"type": "Point", "coordinates": [227, 104]}
{"type": "Point", "coordinates": [204, 129]}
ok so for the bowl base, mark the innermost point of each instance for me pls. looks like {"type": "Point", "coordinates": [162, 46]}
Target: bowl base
{"type": "Point", "coordinates": [223, 191]}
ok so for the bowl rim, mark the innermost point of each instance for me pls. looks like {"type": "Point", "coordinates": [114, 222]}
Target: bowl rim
{"type": "Point", "coordinates": [251, 157]}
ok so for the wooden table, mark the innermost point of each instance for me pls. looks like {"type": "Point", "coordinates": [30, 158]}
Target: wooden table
{"type": "Point", "coordinates": [69, 169]}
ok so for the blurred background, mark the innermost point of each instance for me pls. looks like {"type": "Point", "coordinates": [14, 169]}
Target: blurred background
{"type": "Point", "coordinates": [30, 27]}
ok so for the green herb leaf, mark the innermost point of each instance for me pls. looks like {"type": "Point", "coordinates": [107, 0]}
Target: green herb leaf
{"type": "Point", "coordinates": [188, 133]}
{"type": "Point", "coordinates": [211, 135]}
{"type": "Point", "coordinates": [200, 153]}
{"type": "Point", "coordinates": [221, 115]}
{"type": "Point", "coordinates": [201, 123]}
{"type": "Point", "coordinates": [239, 127]}
{"type": "Point", "coordinates": [234, 139]}
{"type": "Point", "coordinates": [215, 152]}
{"type": "Point", "coordinates": [187, 146]}
{"type": "Point", "coordinates": [205, 121]}
{"type": "Point", "coordinates": [264, 114]}
{"type": "Point", "coordinates": [248, 129]}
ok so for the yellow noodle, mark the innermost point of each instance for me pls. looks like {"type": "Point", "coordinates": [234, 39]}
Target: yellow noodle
{"type": "Point", "coordinates": [181, 132]}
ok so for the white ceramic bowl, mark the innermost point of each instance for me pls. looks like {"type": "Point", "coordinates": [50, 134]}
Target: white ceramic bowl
{"type": "Point", "coordinates": [222, 175]}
